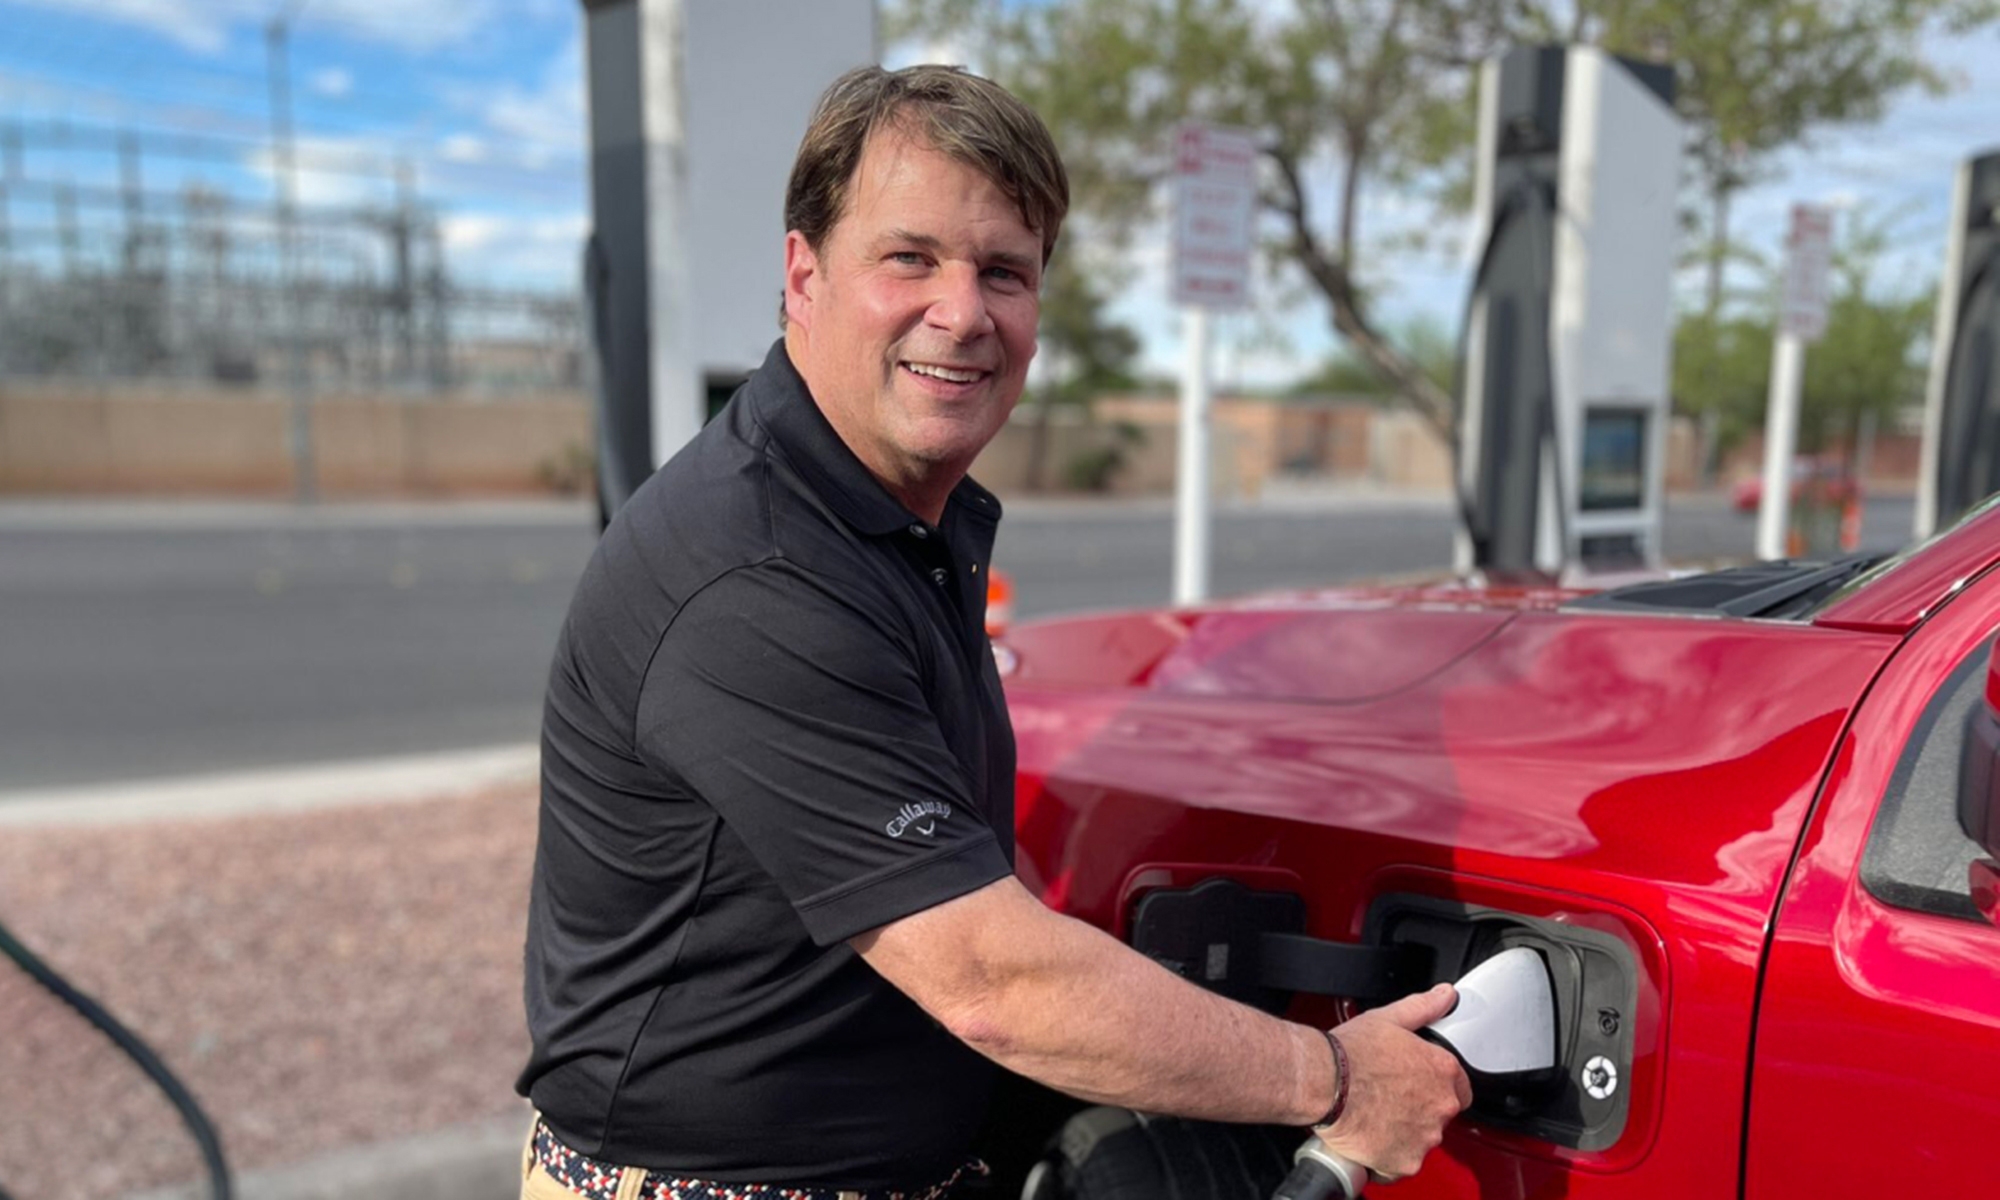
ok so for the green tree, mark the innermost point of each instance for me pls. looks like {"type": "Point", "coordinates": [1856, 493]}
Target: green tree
{"type": "Point", "coordinates": [1756, 76]}
{"type": "Point", "coordinates": [1867, 364]}
{"type": "Point", "coordinates": [1352, 96]}
{"type": "Point", "coordinates": [1085, 353]}
{"type": "Point", "coordinates": [1427, 342]}
{"type": "Point", "coordinates": [1380, 92]}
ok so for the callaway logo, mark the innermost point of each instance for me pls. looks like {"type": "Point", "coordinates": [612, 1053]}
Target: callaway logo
{"type": "Point", "coordinates": [925, 814]}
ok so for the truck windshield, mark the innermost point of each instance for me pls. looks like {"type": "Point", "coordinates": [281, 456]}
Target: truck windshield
{"type": "Point", "coordinates": [1785, 590]}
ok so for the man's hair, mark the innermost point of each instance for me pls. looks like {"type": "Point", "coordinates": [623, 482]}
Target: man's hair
{"type": "Point", "coordinates": [957, 113]}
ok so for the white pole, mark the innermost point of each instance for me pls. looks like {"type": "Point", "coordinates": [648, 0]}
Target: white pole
{"type": "Point", "coordinates": [1781, 433]}
{"type": "Point", "coordinates": [1191, 477]}
{"type": "Point", "coordinates": [678, 408]}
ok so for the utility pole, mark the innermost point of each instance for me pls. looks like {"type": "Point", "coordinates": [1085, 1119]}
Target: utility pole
{"type": "Point", "coordinates": [403, 301]}
{"type": "Point", "coordinates": [277, 36]}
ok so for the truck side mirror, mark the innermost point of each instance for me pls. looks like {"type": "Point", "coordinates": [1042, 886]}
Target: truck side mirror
{"type": "Point", "coordinates": [1979, 790]}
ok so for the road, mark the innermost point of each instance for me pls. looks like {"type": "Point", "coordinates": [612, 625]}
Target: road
{"type": "Point", "coordinates": [161, 641]}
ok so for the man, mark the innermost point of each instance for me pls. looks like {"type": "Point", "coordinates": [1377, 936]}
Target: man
{"type": "Point", "coordinates": [775, 937]}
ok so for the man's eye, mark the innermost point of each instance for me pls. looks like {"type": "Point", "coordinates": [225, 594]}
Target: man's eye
{"type": "Point", "coordinates": [1006, 275]}
{"type": "Point", "coordinates": [907, 258]}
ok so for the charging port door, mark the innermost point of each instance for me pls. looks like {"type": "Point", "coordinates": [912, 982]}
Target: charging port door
{"type": "Point", "coordinates": [1582, 1103]}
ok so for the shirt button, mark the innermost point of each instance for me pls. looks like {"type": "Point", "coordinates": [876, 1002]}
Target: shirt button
{"type": "Point", "coordinates": [918, 531]}
{"type": "Point", "coordinates": [940, 576]}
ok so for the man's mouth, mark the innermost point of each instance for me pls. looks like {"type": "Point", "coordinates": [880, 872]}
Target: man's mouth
{"type": "Point", "coordinates": [947, 374]}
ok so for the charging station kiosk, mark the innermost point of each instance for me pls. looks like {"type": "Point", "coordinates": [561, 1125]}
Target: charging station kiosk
{"type": "Point", "coordinates": [1961, 448]}
{"type": "Point", "coordinates": [696, 111]}
{"type": "Point", "coordinates": [1568, 333]}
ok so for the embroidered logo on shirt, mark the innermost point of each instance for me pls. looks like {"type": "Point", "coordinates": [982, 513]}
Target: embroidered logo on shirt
{"type": "Point", "coordinates": [924, 815]}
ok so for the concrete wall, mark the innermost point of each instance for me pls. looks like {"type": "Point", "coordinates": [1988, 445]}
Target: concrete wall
{"type": "Point", "coordinates": [1146, 454]}
{"type": "Point", "coordinates": [139, 440]}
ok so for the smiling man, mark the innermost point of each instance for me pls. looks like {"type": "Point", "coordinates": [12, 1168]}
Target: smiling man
{"type": "Point", "coordinates": [775, 940]}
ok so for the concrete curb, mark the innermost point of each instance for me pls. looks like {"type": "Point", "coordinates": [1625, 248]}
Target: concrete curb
{"type": "Point", "coordinates": [290, 789]}
{"type": "Point", "coordinates": [128, 513]}
{"type": "Point", "coordinates": [479, 1160]}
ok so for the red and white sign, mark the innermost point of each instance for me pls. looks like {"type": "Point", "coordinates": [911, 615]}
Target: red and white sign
{"type": "Point", "coordinates": [1215, 197]}
{"type": "Point", "coordinates": [1808, 260]}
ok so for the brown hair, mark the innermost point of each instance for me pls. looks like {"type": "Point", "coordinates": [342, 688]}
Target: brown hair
{"type": "Point", "coordinates": [971, 119]}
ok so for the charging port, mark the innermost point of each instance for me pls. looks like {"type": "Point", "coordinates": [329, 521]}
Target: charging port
{"type": "Point", "coordinates": [1582, 1101]}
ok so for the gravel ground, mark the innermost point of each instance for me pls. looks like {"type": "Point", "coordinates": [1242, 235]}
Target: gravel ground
{"type": "Point", "coordinates": [319, 980]}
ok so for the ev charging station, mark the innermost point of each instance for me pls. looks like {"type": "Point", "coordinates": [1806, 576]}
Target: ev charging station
{"type": "Point", "coordinates": [1961, 448]}
{"type": "Point", "coordinates": [1569, 327]}
{"type": "Point", "coordinates": [696, 111]}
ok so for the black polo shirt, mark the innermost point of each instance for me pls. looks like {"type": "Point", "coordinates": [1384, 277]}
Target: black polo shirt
{"type": "Point", "coordinates": [773, 723]}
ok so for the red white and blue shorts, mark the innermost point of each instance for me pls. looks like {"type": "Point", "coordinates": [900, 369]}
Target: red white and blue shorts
{"type": "Point", "coordinates": [594, 1179]}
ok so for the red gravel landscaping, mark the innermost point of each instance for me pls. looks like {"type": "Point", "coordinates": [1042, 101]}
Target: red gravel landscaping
{"type": "Point", "coordinates": [319, 980]}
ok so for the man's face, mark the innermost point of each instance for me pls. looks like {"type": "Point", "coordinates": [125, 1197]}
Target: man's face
{"type": "Point", "coordinates": [914, 322]}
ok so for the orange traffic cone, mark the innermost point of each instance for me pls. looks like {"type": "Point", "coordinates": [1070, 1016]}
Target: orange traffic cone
{"type": "Point", "coordinates": [1850, 524]}
{"type": "Point", "coordinates": [999, 603]}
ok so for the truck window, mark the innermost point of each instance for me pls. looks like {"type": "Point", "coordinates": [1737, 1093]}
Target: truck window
{"type": "Point", "coordinates": [1917, 855]}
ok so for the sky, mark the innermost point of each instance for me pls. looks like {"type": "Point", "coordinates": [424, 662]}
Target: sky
{"type": "Point", "coordinates": [483, 101]}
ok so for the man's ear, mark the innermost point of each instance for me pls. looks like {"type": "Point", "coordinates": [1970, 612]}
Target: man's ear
{"type": "Point", "coordinates": [801, 279]}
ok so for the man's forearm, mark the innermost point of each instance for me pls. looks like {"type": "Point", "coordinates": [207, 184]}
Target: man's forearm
{"type": "Point", "coordinates": [1090, 1017]}
{"type": "Point", "coordinates": [1062, 1003]}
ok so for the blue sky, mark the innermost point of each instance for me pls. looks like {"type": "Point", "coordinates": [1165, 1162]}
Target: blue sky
{"type": "Point", "coordinates": [484, 100]}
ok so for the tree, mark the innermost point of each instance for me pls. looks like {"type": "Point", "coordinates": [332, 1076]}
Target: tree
{"type": "Point", "coordinates": [1351, 96]}
{"type": "Point", "coordinates": [1867, 365]}
{"type": "Point", "coordinates": [1759, 75]}
{"type": "Point", "coordinates": [1374, 92]}
{"type": "Point", "coordinates": [1084, 352]}
{"type": "Point", "coordinates": [1428, 343]}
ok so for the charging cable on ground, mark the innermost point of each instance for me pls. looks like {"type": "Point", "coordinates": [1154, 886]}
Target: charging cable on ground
{"type": "Point", "coordinates": [183, 1101]}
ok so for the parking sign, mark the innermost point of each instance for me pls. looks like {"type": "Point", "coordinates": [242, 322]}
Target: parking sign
{"type": "Point", "coordinates": [1808, 257]}
{"type": "Point", "coordinates": [1215, 176]}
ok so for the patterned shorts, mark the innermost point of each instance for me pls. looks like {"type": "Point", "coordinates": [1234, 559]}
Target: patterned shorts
{"type": "Point", "coordinates": [595, 1180]}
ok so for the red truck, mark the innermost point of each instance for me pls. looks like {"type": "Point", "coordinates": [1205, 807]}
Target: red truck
{"type": "Point", "coordinates": [1748, 817]}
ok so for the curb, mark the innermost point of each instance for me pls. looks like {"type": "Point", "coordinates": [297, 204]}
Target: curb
{"type": "Point", "coordinates": [124, 514]}
{"type": "Point", "coordinates": [291, 789]}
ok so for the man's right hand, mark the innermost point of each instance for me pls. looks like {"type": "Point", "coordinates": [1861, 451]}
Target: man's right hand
{"type": "Point", "coordinates": [1403, 1091]}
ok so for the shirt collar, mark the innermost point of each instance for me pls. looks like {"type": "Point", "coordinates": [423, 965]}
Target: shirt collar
{"type": "Point", "coordinates": [783, 405]}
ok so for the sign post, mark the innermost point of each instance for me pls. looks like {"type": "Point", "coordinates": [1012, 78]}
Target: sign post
{"type": "Point", "coordinates": [1808, 254]}
{"type": "Point", "coordinates": [1215, 182]}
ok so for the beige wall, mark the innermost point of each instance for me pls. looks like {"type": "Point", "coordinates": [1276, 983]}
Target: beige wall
{"type": "Point", "coordinates": [1148, 459]}
{"type": "Point", "coordinates": [161, 441]}
{"type": "Point", "coordinates": [1895, 460]}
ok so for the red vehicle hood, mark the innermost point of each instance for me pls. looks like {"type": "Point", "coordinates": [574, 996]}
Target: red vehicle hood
{"type": "Point", "coordinates": [1665, 763]}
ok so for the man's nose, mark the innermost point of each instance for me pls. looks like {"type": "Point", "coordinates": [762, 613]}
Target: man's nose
{"type": "Point", "coordinates": [959, 308]}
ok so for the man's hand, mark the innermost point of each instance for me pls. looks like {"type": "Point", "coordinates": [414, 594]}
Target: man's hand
{"type": "Point", "coordinates": [1404, 1089]}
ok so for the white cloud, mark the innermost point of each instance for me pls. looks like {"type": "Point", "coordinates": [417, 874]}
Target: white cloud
{"type": "Point", "coordinates": [465, 232]}
{"type": "Point", "coordinates": [546, 120]}
{"type": "Point", "coordinates": [204, 26]}
{"type": "Point", "coordinates": [462, 148]}
{"type": "Point", "coordinates": [326, 188]}
{"type": "Point", "coordinates": [201, 27]}
{"type": "Point", "coordinates": [333, 82]}
{"type": "Point", "coordinates": [410, 24]}
{"type": "Point", "coordinates": [512, 250]}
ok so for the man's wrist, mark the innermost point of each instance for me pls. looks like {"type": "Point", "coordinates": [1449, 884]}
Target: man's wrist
{"type": "Point", "coordinates": [1341, 1075]}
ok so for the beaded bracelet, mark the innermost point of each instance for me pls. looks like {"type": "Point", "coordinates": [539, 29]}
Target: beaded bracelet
{"type": "Point", "coordinates": [1339, 1084]}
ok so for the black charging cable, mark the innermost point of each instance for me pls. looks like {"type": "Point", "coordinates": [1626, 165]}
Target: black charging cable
{"type": "Point", "coordinates": [1536, 194]}
{"type": "Point", "coordinates": [1319, 1173]}
{"type": "Point", "coordinates": [183, 1101]}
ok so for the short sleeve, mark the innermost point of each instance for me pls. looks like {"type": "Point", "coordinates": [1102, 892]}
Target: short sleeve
{"type": "Point", "coordinates": [795, 707]}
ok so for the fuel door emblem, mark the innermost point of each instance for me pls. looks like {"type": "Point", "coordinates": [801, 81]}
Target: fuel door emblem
{"type": "Point", "coordinates": [1600, 1077]}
